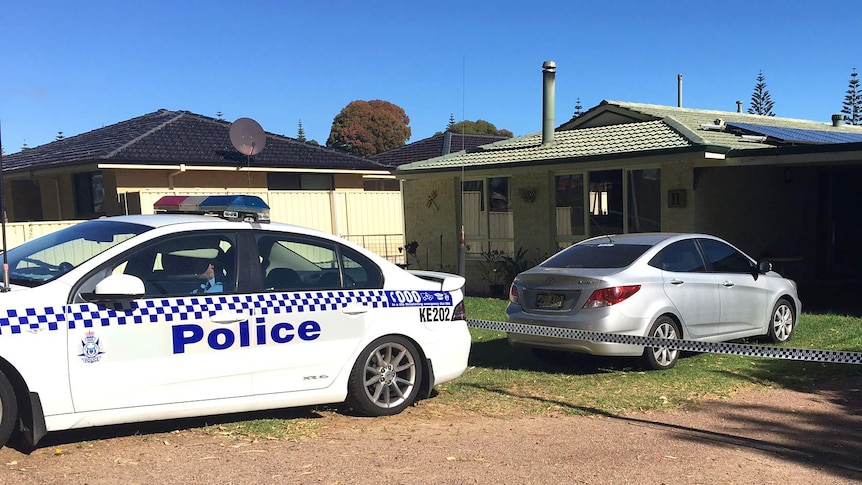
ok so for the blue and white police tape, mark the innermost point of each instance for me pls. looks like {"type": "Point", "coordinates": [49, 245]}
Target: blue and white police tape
{"type": "Point", "coordinates": [810, 355]}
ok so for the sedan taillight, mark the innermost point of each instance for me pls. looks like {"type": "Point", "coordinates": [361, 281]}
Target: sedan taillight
{"type": "Point", "coordinates": [514, 297]}
{"type": "Point", "coordinates": [610, 296]}
{"type": "Point", "coordinates": [460, 312]}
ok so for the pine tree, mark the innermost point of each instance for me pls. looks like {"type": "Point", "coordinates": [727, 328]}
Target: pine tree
{"type": "Point", "coordinates": [853, 101]}
{"type": "Point", "coordinates": [578, 108]}
{"type": "Point", "coordinates": [300, 133]}
{"type": "Point", "coordinates": [451, 122]}
{"type": "Point", "coordinates": [761, 102]}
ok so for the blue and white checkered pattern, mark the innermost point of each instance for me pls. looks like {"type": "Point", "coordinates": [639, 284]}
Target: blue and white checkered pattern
{"type": "Point", "coordinates": [88, 315]}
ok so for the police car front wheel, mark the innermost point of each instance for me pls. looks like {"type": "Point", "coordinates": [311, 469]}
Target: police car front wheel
{"type": "Point", "coordinates": [8, 409]}
{"type": "Point", "coordinates": [386, 377]}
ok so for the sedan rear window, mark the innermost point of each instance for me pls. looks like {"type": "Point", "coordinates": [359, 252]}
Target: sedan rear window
{"type": "Point", "coordinates": [604, 255]}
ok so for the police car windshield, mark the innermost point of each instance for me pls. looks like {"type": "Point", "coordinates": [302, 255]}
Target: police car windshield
{"type": "Point", "coordinates": [43, 259]}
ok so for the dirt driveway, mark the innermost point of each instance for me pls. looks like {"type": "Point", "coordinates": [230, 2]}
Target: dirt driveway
{"type": "Point", "coordinates": [779, 436]}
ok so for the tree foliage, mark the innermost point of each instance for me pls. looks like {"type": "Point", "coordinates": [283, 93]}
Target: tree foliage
{"type": "Point", "coordinates": [853, 101]}
{"type": "Point", "coordinates": [579, 110]}
{"type": "Point", "coordinates": [761, 101]}
{"type": "Point", "coordinates": [369, 127]}
{"type": "Point", "coordinates": [478, 127]}
{"type": "Point", "coordinates": [300, 133]}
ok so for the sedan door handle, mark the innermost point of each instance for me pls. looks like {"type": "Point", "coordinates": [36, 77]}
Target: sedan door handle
{"type": "Point", "coordinates": [228, 317]}
{"type": "Point", "coordinates": [354, 309]}
{"type": "Point", "coordinates": [729, 284]}
{"type": "Point", "coordinates": [676, 282]}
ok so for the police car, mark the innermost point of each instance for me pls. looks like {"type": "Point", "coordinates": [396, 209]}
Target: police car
{"type": "Point", "coordinates": [180, 313]}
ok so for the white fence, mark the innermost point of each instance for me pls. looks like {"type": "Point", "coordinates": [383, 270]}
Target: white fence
{"type": "Point", "coordinates": [374, 220]}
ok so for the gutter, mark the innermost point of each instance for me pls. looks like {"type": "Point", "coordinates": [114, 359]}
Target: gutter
{"type": "Point", "coordinates": [188, 168]}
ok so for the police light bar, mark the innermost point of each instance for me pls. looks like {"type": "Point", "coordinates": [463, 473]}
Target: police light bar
{"type": "Point", "coordinates": [248, 208]}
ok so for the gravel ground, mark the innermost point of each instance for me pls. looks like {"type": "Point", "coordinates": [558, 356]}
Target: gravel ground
{"type": "Point", "coordinates": [777, 436]}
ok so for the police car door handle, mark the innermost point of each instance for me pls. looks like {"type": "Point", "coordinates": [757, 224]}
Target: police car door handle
{"type": "Point", "coordinates": [676, 282]}
{"type": "Point", "coordinates": [354, 309]}
{"type": "Point", "coordinates": [729, 283]}
{"type": "Point", "coordinates": [228, 317]}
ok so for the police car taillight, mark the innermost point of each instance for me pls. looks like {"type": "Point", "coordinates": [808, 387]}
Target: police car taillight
{"type": "Point", "coordinates": [460, 312]}
{"type": "Point", "coordinates": [248, 208]}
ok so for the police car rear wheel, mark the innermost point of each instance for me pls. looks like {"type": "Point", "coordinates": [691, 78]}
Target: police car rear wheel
{"type": "Point", "coordinates": [8, 409]}
{"type": "Point", "coordinates": [386, 377]}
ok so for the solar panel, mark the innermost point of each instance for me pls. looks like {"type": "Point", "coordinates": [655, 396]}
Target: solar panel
{"type": "Point", "coordinates": [798, 135]}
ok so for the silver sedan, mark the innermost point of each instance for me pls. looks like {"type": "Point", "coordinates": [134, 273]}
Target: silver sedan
{"type": "Point", "coordinates": [691, 286]}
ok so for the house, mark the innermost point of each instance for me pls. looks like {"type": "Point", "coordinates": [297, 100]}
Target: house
{"type": "Point", "coordinates": [432, 147]}
{"type": "Point", "coordinates": [124, 167]}
{"type": "Point", "coordinates": [780, 189]}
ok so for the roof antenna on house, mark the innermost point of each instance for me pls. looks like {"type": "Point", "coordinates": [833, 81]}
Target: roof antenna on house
{"type": "Point", "coordinates": [248, 138]}
{"type": "Point", "coordinates": [5, 287]}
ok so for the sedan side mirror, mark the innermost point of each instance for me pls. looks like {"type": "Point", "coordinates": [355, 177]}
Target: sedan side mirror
{"type": "Point", "coordinates": [116, 288]}
{"type": "Point", "coordinates": [764, 267]}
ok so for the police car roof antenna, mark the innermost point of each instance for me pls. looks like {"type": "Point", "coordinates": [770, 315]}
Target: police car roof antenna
{"type": "Point", "coordinates": [248, 138]}
{"type": "Point", "coordinates": [5, 287]}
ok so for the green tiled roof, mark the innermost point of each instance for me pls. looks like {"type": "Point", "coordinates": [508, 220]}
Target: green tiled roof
{"type": "Point", "coordinates": [620, 128]}
{"type": "Point", "coordinates": [601, 140]}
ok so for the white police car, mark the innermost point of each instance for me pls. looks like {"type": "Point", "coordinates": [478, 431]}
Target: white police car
{"type": "Point", "coordinates": [147, 317]}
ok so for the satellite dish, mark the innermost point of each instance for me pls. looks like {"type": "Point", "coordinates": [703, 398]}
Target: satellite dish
{"type": "Point", "coordinates": [247, 136]}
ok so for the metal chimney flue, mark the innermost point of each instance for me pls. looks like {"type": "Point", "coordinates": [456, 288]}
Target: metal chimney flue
{"type": "Point", "coordinates": [739, 106]}
{"type": "Point", "coordinates": [549, 73]}
{"type": "Point", "coordinates": [679, 90]}
{"type": "Point", "coordinates": [837, 119]}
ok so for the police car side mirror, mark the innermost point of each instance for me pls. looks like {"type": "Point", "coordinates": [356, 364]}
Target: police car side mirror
{"type": "Point", "coordinates": [117, 287]}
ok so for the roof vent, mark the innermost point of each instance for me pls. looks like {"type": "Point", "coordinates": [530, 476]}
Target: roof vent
{"type": "Point", "coordinates": [717, 125]}
{"type": "Point", "coordinates": [837, 119]}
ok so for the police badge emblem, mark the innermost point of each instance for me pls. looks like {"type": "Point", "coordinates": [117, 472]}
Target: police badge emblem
{"type": "Point", "coordinates": [90, 350]}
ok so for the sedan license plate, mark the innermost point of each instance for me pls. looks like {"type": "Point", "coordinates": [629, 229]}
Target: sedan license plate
{"type": "Point", "coordinates": [552, 301]}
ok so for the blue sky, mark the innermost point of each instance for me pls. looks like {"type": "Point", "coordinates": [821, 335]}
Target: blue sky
{"type": "Point", "coordinates": [77, 66]}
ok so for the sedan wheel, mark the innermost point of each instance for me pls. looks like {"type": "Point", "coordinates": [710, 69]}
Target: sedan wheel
{"type": "Point", "coordinates": [782, 323]}
{"type": "Point", "coordinates": [386, 377]}
{"type": "Point", "coordinates": [8, 409]}
{"type": "Point", "coordinates": [661, 358]}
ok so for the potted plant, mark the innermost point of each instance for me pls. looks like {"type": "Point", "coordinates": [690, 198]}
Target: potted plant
{"type": "Point", "coordinates": [491, 268]}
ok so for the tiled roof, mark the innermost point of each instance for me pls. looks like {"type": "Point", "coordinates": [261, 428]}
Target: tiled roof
{"type": "Point", "coordinates": [173, 137]}
{"type": "Point", "coordinates": [435, 146]}
{"type": "Point", "coordinates": [596, 141]}
{"type": "Point", "coordinates": [619, 128]}
{"type": "Point", "coordinates": [692, 119]}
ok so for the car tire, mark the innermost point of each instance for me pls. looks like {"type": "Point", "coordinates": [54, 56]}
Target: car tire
{"type": "Point", "coordinates": [662, 358]}
{"type": "Point", "coordinates": [8, 409]}
{"type": "Point", "coordinates": [386, 377]}
{"type": "Point", "coordinates": [782, 323]}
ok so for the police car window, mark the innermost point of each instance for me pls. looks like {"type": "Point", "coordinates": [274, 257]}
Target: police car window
{"type": "Point", "coordinates": [43, 259]}
{"type": "Point", "coordinates": [293, 263]}
{"type": "Point", "coordinates": [200, 263]}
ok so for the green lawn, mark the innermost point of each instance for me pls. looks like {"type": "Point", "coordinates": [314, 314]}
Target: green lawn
{"type": "Point", "coordinates": [506, 382]}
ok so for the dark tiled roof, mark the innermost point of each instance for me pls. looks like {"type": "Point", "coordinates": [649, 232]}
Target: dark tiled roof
{"type": "Point", "coordinates": [173, 137]}
{"type": "Point", "coordinates": [435, 146]}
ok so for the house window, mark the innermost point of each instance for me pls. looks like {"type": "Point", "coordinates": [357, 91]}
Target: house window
{"type": "Point", "coordinates": [299, 181]}
{"type": "Point", "coordinates": [392, 185]}
{"type": "Point", "coordinates": [89, 194]}
{"type": "Point", "coordinates": [606, 202]}
{"type": "Point", "coordinates": [644, 200]}
{"type": "Point", "coordinates": [487, 215]}
{"type": "Point", "coordinates": [569, 205]}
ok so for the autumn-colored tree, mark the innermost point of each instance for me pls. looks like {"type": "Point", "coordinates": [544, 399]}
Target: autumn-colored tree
{"type": "Point", "coordinates": [369, 127]}
{"type": "Point", "coordinates": [478, 127]}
